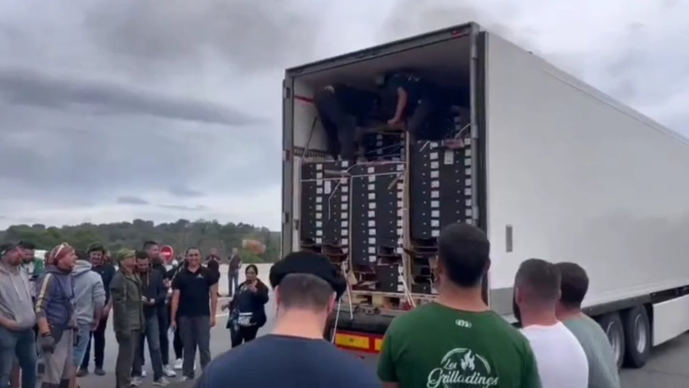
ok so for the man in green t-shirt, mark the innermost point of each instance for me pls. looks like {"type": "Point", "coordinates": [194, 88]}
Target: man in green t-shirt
{"type": "Point", "coordinates": [457, 341]}
{"type": "Point", "coordinates": [603, 371]}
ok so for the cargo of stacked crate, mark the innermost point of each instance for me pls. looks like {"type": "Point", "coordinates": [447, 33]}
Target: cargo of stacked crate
{"type": "Point", "coordinates": [325, 205]}
{"type": "Point", "coordinates": [377, 220]}
{"type": "Point", "coordinates": [440, 194]}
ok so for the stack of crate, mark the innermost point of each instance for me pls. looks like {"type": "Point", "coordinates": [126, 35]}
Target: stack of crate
{"type": "Point", "coordinates": [384, 146]}
{"type": "Point", "coordinates": [325, 205]}
{"type": "Point", "coordinates": [356, 213]}
{"type": "Point", "coordinates": [377, 223]}
{"type": "Point", "coordinates": [441, 193]}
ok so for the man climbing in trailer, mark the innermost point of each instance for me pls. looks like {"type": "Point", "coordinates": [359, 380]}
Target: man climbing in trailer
{"type": "Point", "coordinates": [342, 109]}
{"type": "Point", "coordinates": [421, 105]}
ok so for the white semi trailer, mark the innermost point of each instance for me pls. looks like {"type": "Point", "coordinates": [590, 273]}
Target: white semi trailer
{"type": "Point", "coordinates": [553, 169]}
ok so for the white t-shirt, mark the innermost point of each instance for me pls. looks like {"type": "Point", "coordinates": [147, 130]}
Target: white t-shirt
{"type": "Point", "coordinates": [560, 358]}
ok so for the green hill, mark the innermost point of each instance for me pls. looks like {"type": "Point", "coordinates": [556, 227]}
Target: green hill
{"type": "Point", "coordinates": [180, 235]}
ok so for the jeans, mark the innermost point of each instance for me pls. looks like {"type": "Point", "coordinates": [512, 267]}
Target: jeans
{"type": "Point", "coordinates": [22, 346]}
{"type": "Point", "coordinates": [195, 331]}
{"type": "Point", "coordinates": [128, 343]}
{"type": "Point", "coordinates": [163, 316]}
{"type": "Point", "coordinates": [98, 339]}
{"type": "Point", "coordinates": [152, 335]}
{"type": "Point", "coordinates": [177, 344]}
{"type": "Point", "coordinates": [232, 282]}
{"type": "Point", "coordinates": [82, 342]}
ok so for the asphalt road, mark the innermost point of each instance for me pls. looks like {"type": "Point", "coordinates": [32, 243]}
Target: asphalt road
{"type": "Point", "coordinates": [667, 368]}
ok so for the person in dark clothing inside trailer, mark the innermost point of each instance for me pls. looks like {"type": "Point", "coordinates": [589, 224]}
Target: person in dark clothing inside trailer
{"type": "Point", "coordinates": [421, 105]}
{"type": "Point", "coordinates": [307, 286]}
{"type": "Point", "coordinates": [247, 309]}
{"type": "Point", "coordinates": [343, 108]}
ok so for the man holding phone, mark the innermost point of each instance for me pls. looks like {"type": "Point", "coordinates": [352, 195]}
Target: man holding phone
{"type": "Point", "coordinates": [153, 293]}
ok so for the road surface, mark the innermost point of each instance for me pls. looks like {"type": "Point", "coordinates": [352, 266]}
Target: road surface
{"type": "Point", "coordinates": [667, 367]}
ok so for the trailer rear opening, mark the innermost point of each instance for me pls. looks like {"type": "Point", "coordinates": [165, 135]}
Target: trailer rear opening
{"type": "Point", "coordinates": [548, 166]}
{"type": "Point", "coordinates": [359, 212]}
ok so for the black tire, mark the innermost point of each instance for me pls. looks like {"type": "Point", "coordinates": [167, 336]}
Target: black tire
{"type": "Point", "coordinates": [637, 331]}
{"type": "Point", "coordinates": [613, 328]}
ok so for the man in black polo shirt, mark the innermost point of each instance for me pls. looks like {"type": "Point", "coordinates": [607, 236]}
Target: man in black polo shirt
{"type": "Point", "coordinates": [194, 302]}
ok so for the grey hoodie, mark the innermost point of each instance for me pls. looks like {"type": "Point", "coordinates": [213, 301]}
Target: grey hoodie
{"type": "Point", "coordinates": [15, 297]}
{"type": "Point", "coordinates": [89, 293]}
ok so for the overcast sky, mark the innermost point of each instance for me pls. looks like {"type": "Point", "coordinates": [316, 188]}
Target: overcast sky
{"type": "Point", "coordinates": [114, 110]}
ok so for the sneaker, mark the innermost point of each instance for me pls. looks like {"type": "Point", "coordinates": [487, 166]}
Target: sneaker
{"type": "Point", "coordinates": [186, 378]}
{"type": "Point", "coordinates": [143, 373]}
{"type": "Point", "coordinates": [99, 372]}
{"type": "Point", "coordinates": [82, 372]}
{"type": "Point", "coordinates": [161, 382]}
{"type": "Point", "coordinates": [178, 364]}
{"type": "Point", "coordinates": [136, 381]}
{"type": "Point", "coordinates": [168, 372]}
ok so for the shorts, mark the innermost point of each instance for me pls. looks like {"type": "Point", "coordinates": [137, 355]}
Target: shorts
{"type": "Point", "coordinates": [59, 365]}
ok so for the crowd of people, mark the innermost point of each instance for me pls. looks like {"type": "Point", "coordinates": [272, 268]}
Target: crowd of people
{"type": "Point", "coordinates": [455, 340]}
{"type": "Point", "coordinates": [57, 313]}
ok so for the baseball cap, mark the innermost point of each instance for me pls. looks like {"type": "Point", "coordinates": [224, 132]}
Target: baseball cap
{"type": "Point", "coordinates": [308, 263]}
{"type": "Point", "coordinates": [7, 247]}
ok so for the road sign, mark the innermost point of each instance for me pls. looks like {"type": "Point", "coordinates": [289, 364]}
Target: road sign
{"type": "Point", "coordinates": [167, 253]}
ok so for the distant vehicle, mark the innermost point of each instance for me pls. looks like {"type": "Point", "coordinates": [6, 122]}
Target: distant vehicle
{"type": "Point", "coordinates": [254, 246]}
{"type": "Point", "coordinates": [550, 168]}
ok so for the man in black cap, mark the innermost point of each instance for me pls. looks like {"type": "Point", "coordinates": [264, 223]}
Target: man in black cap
{"type": "Point", "coordinates": [295, 354]}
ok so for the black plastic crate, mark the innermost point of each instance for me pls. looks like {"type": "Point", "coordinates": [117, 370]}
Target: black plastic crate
{"type": "Point", "coordinates": [376, 191]}
{"type": "Point", "coordinates": [325, 203]}
{"type": "Point", "coordinates": [440, 188]}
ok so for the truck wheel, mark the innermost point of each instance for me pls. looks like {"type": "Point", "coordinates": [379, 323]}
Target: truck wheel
{"type": "Point", "coordinates": [637, 336]}
{"type": "Point", "coordinates": [612, 326]}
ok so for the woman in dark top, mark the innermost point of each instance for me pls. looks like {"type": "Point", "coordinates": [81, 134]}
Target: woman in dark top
{"type": "Point", "coordinates": [247, 309]}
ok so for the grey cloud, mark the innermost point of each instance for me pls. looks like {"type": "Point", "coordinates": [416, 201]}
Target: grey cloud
{"type": "Point", "coordinates": [182, 191]}
{"type": "Point", "coordinates": [412, 17]}
{"type": "Point", "coordinates": [27, 87]}
{"type": "Point", "coordinates": [184, 208]}
{"type": "Point", "coordinates": [91, 158]}
{"type": "Point", "coordinates": [132, 200]}
{"type": "Point", "coordinates": [252, 35]}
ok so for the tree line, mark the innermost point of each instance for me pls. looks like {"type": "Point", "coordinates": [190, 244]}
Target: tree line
{"type": "Point", "coordinates": [180, 235]}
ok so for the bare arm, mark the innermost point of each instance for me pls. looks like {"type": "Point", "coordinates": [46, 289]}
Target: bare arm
{"type": "Point", "coordinates": [106, 309]}
{"type": "Point", "coordinates": [401, 104]}
{"type": "Point", "coordinates": [8, 323]}
{"type": "Point", "coordinates": [214, 302]}
{"type": "Point", "coordinates": [173, 309]}
{"type": "Point", "coordinates": [41, 303]}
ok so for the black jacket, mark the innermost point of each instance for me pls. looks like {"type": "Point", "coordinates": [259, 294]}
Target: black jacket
{"type": "Point", "coordinates": [107, 272]}
{"type": "Point", "coordinates": [254, 302]}
{"type": "Point", "coordinates": [152, 287]}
